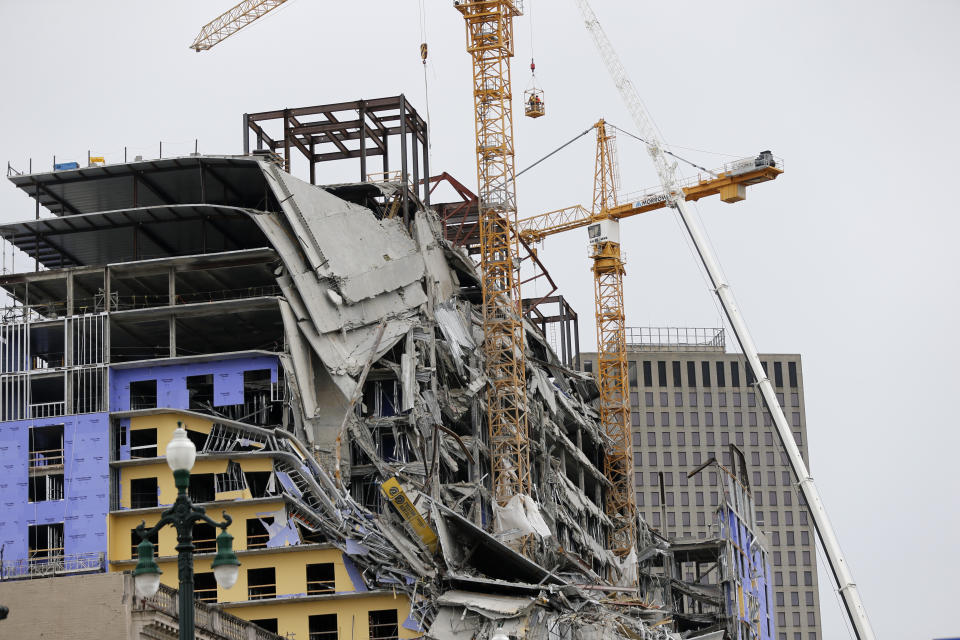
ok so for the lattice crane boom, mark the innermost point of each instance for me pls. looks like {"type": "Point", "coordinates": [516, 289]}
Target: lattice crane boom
{"type": "Point", "coordinates": [490, 43]}
{"type": "Point", "coordinates": [231, 21]}
{"type": "Point", "coordinates": [667, 173]}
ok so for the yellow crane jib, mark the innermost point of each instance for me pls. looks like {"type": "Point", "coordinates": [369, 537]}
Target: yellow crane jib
{"type": "Point", "coordinates": [730, 184]}
{"type": "Point", "coordinates": [393, 492]}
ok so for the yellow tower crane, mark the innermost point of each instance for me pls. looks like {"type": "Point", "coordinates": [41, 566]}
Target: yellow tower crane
{"type": "Point", "coordinates": [608, 270]}
{"type": "Point", "coordinates": [490, 43]}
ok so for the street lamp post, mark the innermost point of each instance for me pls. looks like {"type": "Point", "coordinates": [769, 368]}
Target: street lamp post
{"type": "Point", "coordinates": [181, 454]}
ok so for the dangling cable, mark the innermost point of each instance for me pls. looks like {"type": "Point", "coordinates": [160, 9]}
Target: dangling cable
{"type": "Point", "coordinates": [423, 60]}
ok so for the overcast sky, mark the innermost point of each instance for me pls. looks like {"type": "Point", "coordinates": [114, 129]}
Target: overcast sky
{"type": "Point", "coordinates": [848, 258]}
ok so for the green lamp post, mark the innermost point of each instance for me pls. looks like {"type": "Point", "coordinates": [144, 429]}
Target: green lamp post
{"type": "Point", "coordinates": [181, 454]}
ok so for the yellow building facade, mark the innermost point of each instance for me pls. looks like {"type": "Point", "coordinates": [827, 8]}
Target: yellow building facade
{"type": "Point", "coordinates": [306, 590]}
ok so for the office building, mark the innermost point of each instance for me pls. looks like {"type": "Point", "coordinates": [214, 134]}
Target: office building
{"type": "Point", "coordinates": [692, 400]}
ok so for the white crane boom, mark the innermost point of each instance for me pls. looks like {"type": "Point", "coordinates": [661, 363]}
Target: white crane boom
{"type": "Point", "coordinates": [667, 173]}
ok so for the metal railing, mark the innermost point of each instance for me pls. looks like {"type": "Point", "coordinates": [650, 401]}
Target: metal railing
{"type": "Point", "coordinates": [316, 587]}
{"type": "Point", "coordinates": [51, 565]}
{"type": "Point", "coordinates": [46, 458]}
{"type": "Point", "coordinates": [207, 618]}
{"type": "Point", "coordinates": [676, 338]}
{"type": "Point", "coordinates": [47, 409]}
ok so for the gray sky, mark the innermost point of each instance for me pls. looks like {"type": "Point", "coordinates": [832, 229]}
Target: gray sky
{"type": "Point", "coordinates": [847, 258]}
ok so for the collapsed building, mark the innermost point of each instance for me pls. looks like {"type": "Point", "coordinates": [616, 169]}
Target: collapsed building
{"type": "Point", "coordinates": [322, 345]}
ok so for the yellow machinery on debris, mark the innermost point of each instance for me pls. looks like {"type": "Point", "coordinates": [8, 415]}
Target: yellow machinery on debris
{"type": "Point", "coordinates": [603, 223]}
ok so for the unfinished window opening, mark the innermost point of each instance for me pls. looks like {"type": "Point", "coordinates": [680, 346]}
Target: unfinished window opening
{"type": "Point", "coordinates": [135, 541]}
{"type": "Point", "coordinates": [143, 394]}
{"type": "Point", "coordinates": [792, 373]}
{"type": "Point", "coordinates": [261, 583]}
{"type": "Point", "coordinates": [705, 373]}
{"type": "Point", "coordinates": [383, 624]}
{"type": "Point", "coordinates": [200, 390]}
{"type": "Point", "coordinates": [46, 447]}
{"type": "Point", "coordinates": [366, 491]}
{"type": "Point", "coordinates": [778, 374]}
{"type": "Point", "coordinates": [232, 480]}
{"type": "Point", "coordinates": [46, 487]}
{"type": "Point", "coordinates": [588, 366]}
{"type": "Point", "coordinates": [205, 587]}
{"type": "Point", "coordinates": [46, 541]}
{"type": "Point", "coordinates": [143, 493]}
{"type": "Point", "coordinates": [381, 399]}
{"type": "Point", "coordinates": [143, 443]}
{"type": "Point", "coordinates": [675, 366]}
{"type": "Point", "coordinates": [262, 402]}
{"type": "Point", "coordinates": [204, 537]}
{"type": "Point", "coordinates": [324, 627]}
{"type": "Point", "coordinates": [47, 396]}
{"type": "Point", "coordinates": [257, 535]}
{"type": "Point", "coordinates": [661, 373]}
{"type": "Point", "coordinates": [202, 487]}
{"type": "Point", "coordinates": [88, 389]}
{"type": "Point", "coordinates": [267, 624]}
{"type": "Point", "coordinates": [647, 374]}
{"type": "Point", "coordinates": [721, 377]}
{"type": "Point", "coordinates": [320, 578]}
{"type": "Point", "coordinates": [392, 448]}
{"type": "Point", "coordinates": [735, 374]}
{"type": "Point", "coordinates": [257, 482]}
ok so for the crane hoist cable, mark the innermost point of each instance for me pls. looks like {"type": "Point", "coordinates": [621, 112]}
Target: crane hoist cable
{"type": "Point", "coordinates": [558, 149]}
{"type": "Point", "coordinates": [423, 60]}
{"type": "Point", "coordinates": [669, 153]}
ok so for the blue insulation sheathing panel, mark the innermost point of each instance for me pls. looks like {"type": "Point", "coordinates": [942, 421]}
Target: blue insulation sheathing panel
{"type": "Point", "coordinates": [172, 381]}
{"type": "Point", "coordinates": [86, 485]}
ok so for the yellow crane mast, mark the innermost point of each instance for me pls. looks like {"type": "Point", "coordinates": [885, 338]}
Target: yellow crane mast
{"type": "Point", "coordinates": [490, 43]}
{"type": "Point", "coordinates": [608, 272]}
{"type": "Point", "coordinates": [603, 224]}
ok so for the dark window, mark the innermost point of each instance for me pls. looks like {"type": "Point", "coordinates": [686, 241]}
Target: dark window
{"type": "Point", "coordinates": [143, 443]}
{"type": "Point", "coordinates": [46, 447]}
{"type": "Point", "coordinates": [262, 583]}
{"type": "Point", "coordinates": [632, 373]}
{"type": "Point", "coordinates": [662, 373]}
{"type": "Point", "coordinates": [792, 373]}
{"type": "Point", "coordinates": [721, 378]}
{"type": "Point", "coordinates": [257, 482]}
{"type": "Point", "coordinates": [46, 541]}
{"type": "Point", "coordinates": [143, 394]}
{"type": "Point", "coordinates": [324, 627]}
{"type": "Point", "coordinates": [135, 541]}
{"type": "Point", "coordinates": [778, 374]}
{"type": "Point", "coordinates": [647, 374]}
{"type": "Point", "coordinates": [200, 391]}
{"type": "Point", "coordinates": [202, 487]}
{"type": "Point", "coordinates": [257, 535]}
{"type": "Point", "coordinates": [751, 379]}
{"type": "Point", "coordinates": [48, 486]}
{"type": "Point", "coordinates": [267, 624]}
{"type": "Point", "coordinates": [320, 578]}
{"type": "Point", "coordinates": [383, 624]}
{"type": "Point", "coordinates": [691, 374]}
{"type": "Point", "coordinates": [735, 374]}
{"type": "Point", "coordinates": [205, 587]}
{"type": "Point", "coordinates": [588, 366]}
{"type": "Point", "coordinates": [705, 373]}
{"type": "Point", "coordinates": [204, 537]}
{"type": "Point", "coordinates": [677, 382]}
{"type": "Point", "coordinates": [143, 493]}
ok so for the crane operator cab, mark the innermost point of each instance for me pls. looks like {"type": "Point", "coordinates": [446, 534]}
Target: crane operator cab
{"type": "Point", "coordinates": [533, 103]}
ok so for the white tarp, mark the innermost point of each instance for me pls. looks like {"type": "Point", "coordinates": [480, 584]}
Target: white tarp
{"type": "Point", "coordinates": [520, 517]}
